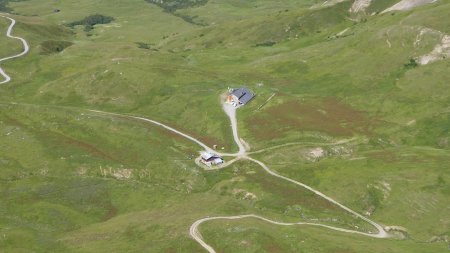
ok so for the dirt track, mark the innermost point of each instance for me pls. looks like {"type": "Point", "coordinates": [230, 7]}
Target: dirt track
{"type": "Point", "coordinates": [242, 154]}
{"type": "Point", "coordinates": [26, 48]}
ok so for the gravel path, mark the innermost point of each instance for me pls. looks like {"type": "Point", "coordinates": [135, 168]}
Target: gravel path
{"type": "Point", "coordinates": [195, 233]}
{"type": "Point", "coordinates": [203, 145]}
{"type": "Point", "coordinates": [194, 229]}
{"type": "Point", "coordinates": [231, 112]}
{"type": "Point", "coordinates": [26, 48]}
{"type": "Point", "coordinates": [241, 154]}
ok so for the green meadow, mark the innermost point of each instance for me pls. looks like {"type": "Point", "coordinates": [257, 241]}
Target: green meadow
{"type": "Point", "coordinates": [348, 115]}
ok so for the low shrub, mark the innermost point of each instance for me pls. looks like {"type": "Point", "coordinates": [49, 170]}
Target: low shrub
{"type": "Point", "coordinates": [268, 43]}
{"type": "Point", "coordinates": [54, 46]}
{"type": "Point", "coordinates": [411, 64]}
{"type": "Point", "coordinates": [90, 21]}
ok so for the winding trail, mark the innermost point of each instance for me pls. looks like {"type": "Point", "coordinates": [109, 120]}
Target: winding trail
{"type": "Point", "coordinates": [194, 229]}
{"type": "Point", "coordinates": [203, 145]}
{"type": "Point", "coordinates": [381, 232]}
{"type": "Point", "coordinates": [195, 233]}
{"type": "Point", "coordinates": [241, 154]}
{"type": "Point", "coordinates": [26, 48]}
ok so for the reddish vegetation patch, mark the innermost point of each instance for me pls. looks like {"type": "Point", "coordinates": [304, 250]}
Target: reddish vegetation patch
{"type": "Point", "coordinates": [329, 115]}
{"type": "Point", "coordinates": [272, 246]}
{"type": "Point", "coordinates": [385, 156]}
{"type": "Point", "coordinates": [392, 157]}
{"type": "Point", "coordinates": [111, 212]}
{"type": "Point", "coordinates": [91, 149]}
{"type": "Point", "coordinates": [61, 139]}
{"type": "Point", "coordinates": [340, 251]}
{"type": "Point", "coordinates": [290, 194]}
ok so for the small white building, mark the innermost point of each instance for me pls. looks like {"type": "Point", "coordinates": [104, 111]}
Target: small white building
{"type": "Point", "coordinates": [210, 159]}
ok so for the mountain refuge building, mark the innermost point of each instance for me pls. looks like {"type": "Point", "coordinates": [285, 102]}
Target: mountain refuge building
{"type": "Point", "coordinates": [210, 159]}
{"type": "Point", "coordinates": [240, 96]}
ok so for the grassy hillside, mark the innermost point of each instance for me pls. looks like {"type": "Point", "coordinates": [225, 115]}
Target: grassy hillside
{"type": "Point", "coordinates": [78, 181]}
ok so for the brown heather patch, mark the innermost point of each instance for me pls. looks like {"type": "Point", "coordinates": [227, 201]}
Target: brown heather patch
{"type": "Point", "coordinates": [57, 138]}
{"type": "Point", "coordinates": [393, 157]}
{"type": "Point", "coordinates": [87, 147]}
{"type": "Point", "coordinates": [328, 115]}
{"type": "Point", "coordinates": [292, 194]}
{"type": "Point", "coordinates": [273, 247]}
{"type": "Point", "coordinates": [385, 156]}
{"type": "Point", "coordinates": [340, 251]}
{"type": "Point", "coordinates": [111, 212]}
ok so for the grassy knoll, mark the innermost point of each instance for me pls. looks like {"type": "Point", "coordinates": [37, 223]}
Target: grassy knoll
{"type": "Point", "coordinates": [77, 181]}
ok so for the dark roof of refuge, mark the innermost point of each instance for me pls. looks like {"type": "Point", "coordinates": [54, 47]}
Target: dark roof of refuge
{"type": "Point", "coordinates": [243, 94]}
